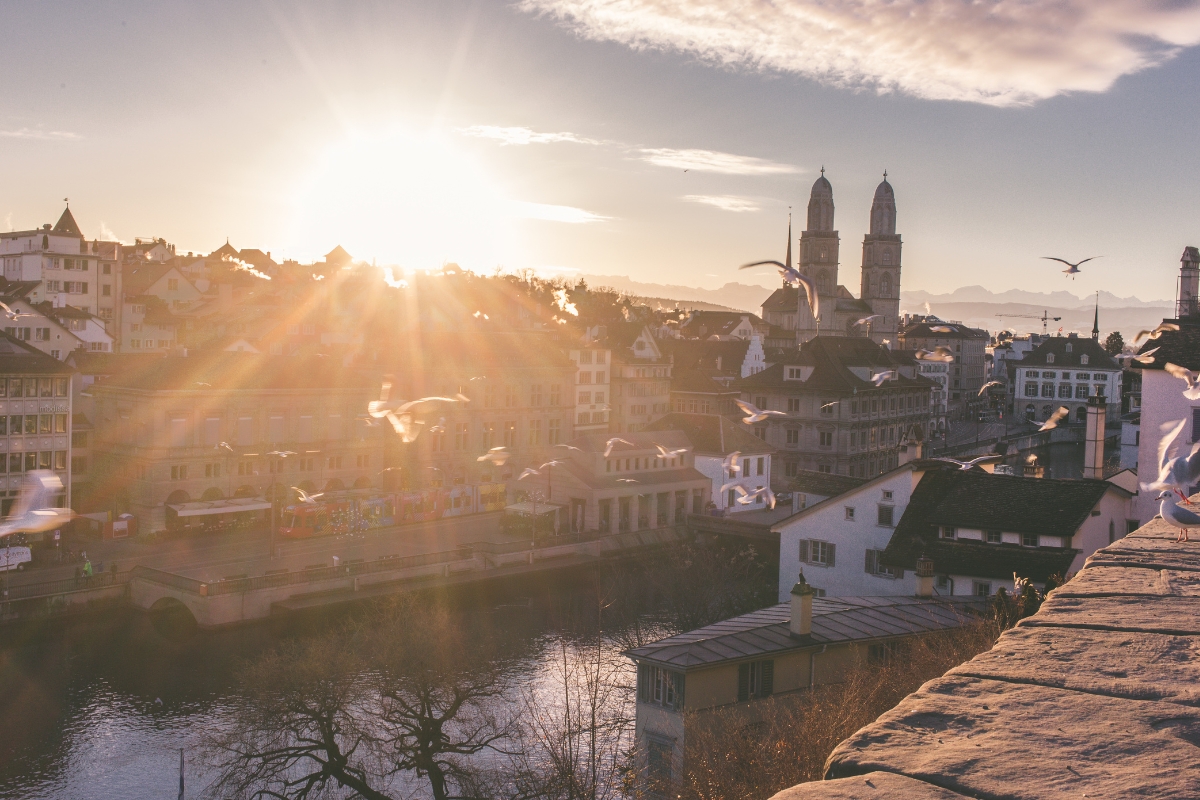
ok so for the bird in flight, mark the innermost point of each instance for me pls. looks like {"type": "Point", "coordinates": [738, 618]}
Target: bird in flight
{"type": "Point", "coordinates": [938, 353]}
{"type": "Point", "coordinates": [868, 320]}
{"type": "Point", "coordinates": [1192, 379]}
{"type": "Point", "coordinates": [731, 462]}
{"type": "Point", "coordinates": [1072, 269]}
{"type": "Point", "coordinates": [763, 493]}
{"type": "Point", "coordinates": [988, 385]}
{"type": "Point", "coordinates": [305, 497]}
{"type": "Point", "coordinates": [497, 455]}
{"type": "Point", "coordinates": [626, 480]}
{"type": "Point", "coordinates": [881, 378]}
{"type": "Point", "coordinates": [1157, 332]}
{"type": "Point", "coordinates": [795, 279]}
{"type": "Point", "coordinates": [569, 447]}
{"type": "Point", "coordinates": [1054, 419]}
{"type": "Point", "coordinates": [974, 462]}
{"type": "Point", "coordinates": [402, 415]}
{"type": "Point", "coordinates": [830, 404]}
{"type": "Point", "coordinates": [754, 413]}
{"type": "Point", "coordinates": [611, 444]}
{"type": "Point", "coordinates": [942, 329]}
{"type": "Point", "coordinates": [31, 512]}
{"type": "Point", "coordinates": [665, 453]}
{"type": "Point", "coordinates": [527, 473]}
{"type": "Point", "coordinates": [1179, 473]}
{"type": "Point", "coordinates": [1146, 357]}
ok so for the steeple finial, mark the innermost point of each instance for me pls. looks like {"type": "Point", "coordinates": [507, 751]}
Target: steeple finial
{"type": "Point", "coordinates": [1096, 322]}
{"type": "Point", "coordinates": [822, 170]}
{"type": "Point", "coordinates": [885, 174]}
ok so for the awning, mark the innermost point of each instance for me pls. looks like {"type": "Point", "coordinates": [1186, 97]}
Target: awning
{"type": "Point", "coordinates": [528, 509]}
{"type": "Point", "coordinates": [221, 506]}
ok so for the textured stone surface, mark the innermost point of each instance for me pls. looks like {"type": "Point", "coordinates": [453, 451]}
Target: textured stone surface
{"type": "Point", "coordinates": [872, 786]}
{"type": "Point", "coordinates": [1005, 740]}
{"type": "Point", "coordinates": [1097, 695]}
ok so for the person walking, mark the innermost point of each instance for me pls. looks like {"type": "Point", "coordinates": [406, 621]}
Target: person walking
{"type": "Point", "coordinates": [87, 568]}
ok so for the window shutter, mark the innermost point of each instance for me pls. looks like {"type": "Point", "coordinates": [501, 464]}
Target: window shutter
{"type": "Point", "coordinates": [768, 679]}
{"type": "Point", "coordinates": [644, 683]}
{"type": "Point", "coordinates": [832, 550]}
{"type": "Point", "coordinates": [743, 682]}
{"type": "Point", "coordinates": [869, 563]}
{"type": "Point", "coordinates": [680, 682]}
{"type": "Point", "coordinates": [804, 551]}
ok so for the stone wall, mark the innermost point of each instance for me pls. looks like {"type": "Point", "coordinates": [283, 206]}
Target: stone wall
{"type": "Point", "coordinates": [1097, 695]}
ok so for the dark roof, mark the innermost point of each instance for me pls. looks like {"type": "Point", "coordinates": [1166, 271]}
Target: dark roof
{"type": "Point", "coordinates": [979, 500]}
{"type": "Point", "coordinates": [824, 484]}
{"type": "Point", "coordinates": [17, 289]}
{"type": "Point", "coordinates": [223, 371]}
{"type": "Point", "coordinates": [19, 358]}
{"type": "Point", "coordinates": [66, 224]}
{"type": "Point", "coordinates": [835, 620]}
{"type": "Point", "coordinates": [138, 280]}
{"type": "Point", "coordinates": [1181, 347]}
{"type": "Point", "coordinates": [338, 255]}
{"type": "Point", "coordinates": [224, 251]}
{"type": "Point", "coordinates": [712, 434]}
{"type": "Point", "coordinates": [699, 382]}
{"type": "Point", "coordinates": [1080, 346]}
{"type": "Point", "coordinates": [921, 330]}
{"type": "Point", "coordinates": [643, 441]}
{"type": "Point", "coordinates": [832, 358]}
{"type": "Point", "coordinates": [782, 299]}
{"type": "Point", "coordinates": [703, 324]}
{"type": "Point", "coordinates": [89, 363]}
{"type": "Point", "coordinates": [690, 354]}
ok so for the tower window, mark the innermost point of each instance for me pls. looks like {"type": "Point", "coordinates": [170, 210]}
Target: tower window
{"type": "Point", "coordinates": [887, 256]}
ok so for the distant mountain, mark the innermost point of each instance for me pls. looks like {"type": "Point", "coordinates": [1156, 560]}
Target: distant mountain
{"type": "Point", "coordinates": [1059, 299]}
{"type": "Point", "coordinates": [1023, 318]}
{"type": "Point", "coordinates": [734, 296]}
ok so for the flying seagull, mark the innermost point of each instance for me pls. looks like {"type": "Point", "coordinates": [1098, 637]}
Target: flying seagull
{"type": "Point", "coordinates": [988, 385]}
{"type": "Point", "coordinates": [1054, 419]}
{"type": "Point", "coordinates": [626, 480]}
{"type": "Point", "coordinates": [974, 462]}
{"type": "Point", "coordinates": [939, 353]}
{"type": "Point", "coordinates": [611, 444]}
{"type": "Point", "coordinates": [497, 455]}
{"type": "Point", "coordinates": [731, 462]}
{"type": "Point", "coordinates": [941, 329]}
{"type": "Point", "coordinates": [1146, 357]}
{"type": "Point", "coordinates": [1192, 392]}
{"type": "Point", "coordinates": [1157, 332]}
{"type": "Point", "coordinates": [868, 320]}
{"type": "Point", "coordinates": [32, 512]}
{"type": "Point", "coordinates": [223, 446]}
{"type": "Point", "coordinates": [569, 447]}
{"type": "Point", "coordinates": [754, 413]}
{"type": "Point", "coordinates": [1178, 473]}
{"type": "Point", "coordinates": [527, 472]}
{"type": "Point", "coordinates": [305, 497]}
{"type": "Point", "coordinates": [1072, 269]}
{"type": "Point", "coordinates": [881, 378]}
{"type": "Point", "coordinates": [1179, 517]}
{"type": "Point", "coordinates": [665, 453]}
{"type": "Point", "coordinates": [763, 493]}
{"type": "Point", "coordinates": [796, 279]}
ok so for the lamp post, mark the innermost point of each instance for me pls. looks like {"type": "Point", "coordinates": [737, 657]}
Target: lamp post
{"type": "Point", "coordinates": [276, 456]}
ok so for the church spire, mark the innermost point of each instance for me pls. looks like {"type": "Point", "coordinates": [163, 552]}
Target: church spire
{"type": "Point", "coordinates": [788, 259]}
{"type": "Point", "coordinates": [1096, 321]}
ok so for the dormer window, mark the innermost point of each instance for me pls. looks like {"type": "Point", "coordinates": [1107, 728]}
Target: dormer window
{"type": "Point", "coordinates": [1070, 347]}
{"type": "Point", "coordinates": [794, 374]}
{"type": "Point", "coordinates": [639, 345]}
{"type": "Point", "coordinates": [1083, 359]}
{"type": "Point", "coordinates": [1050, 358]}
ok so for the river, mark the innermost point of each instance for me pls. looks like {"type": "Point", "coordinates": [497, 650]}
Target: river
{"type": "Point", "coordinates": [101, 709]}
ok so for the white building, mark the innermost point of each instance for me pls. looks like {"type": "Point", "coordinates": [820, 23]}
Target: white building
{"type": "Point", "coordinates": [592, 393]}
{"type": "Point", "coordinates": [715, 439]}
{"type": "Point", "coordinates": [1065, 371]}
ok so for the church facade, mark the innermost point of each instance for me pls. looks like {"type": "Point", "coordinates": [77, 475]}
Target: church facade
{"type": "Point", "coordinates": [879, 290]}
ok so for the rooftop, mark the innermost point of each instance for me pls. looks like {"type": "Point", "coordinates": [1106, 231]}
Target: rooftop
{"type": "Point", "coordinates": [835, 620]}
{"type": "Point", "coordinates": [1181, 347]}
{"type": "Point", "coordinates": [825, 484]}
{"type": "Point", "coordinates": [712, 434]}
{"type": "Point", "coordinates": [1078, 346]}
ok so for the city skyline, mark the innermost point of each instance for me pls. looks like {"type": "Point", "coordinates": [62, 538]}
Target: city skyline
{"type": "Point", "coordinates": [535, 136]}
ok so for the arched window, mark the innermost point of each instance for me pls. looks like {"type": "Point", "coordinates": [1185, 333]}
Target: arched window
{"type": "Point", "coordinates": [1083, 360]}
{"type": "Point", "coordinates": [1081, 414]}
{"type": "Point", "coordinates": [1029, 410]}
{"type": "Point", "coordinates": [885, 285]}
{"type": "Point", "coordinates": [822, 280]}
{"type": "Point", "coordinates": [887, 256]}
{"type": "Point", "coordinates": [1050, 358]}
{"type": "Point", "coordinates": [824, 255]}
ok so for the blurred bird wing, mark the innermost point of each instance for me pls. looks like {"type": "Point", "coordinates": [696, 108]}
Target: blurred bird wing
{"type": "Point", "coordinates": [748, 408]}
{"type": "Point", "coordinates": [1166, 445]}
{"type": "Point", "coordinates": [37, 491]}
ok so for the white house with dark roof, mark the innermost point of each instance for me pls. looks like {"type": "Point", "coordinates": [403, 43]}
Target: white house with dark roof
{"type": "Point", "coordinates": [714, 439]}
{"type": "Point", "coordinates": [1065, 371]}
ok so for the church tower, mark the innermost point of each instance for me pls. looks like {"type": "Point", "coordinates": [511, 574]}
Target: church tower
{"type": "Point", "coordinates": [818, 261]}
{"type": "Point", "coordinates": [881, 264]}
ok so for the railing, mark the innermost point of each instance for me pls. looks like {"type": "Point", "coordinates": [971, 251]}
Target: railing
{"type": "Point", "coordinates": [26, 591]}
{"type": "Point", "coordinates": [317, 574]}
{"type": "Point", "coordinates": [190, 585]}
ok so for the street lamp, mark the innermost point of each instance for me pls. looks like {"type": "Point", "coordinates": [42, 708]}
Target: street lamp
{"type": "Point", "coordinates": [276, 456]}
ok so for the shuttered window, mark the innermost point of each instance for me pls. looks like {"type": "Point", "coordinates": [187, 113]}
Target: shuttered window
{"type": "Point", "coordinates": [756, 679]}
{"type": "Point", "coordinates": [813, 551]}
{"type": "Point", "coordinates": [660, 687]}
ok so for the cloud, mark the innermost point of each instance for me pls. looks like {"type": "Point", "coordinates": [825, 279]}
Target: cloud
{"type": "Point", "coordinates": [37, 133]}
{"type": "Point", "coordinates": [713, 161]}
{"type": "Point", "coordinates": [523, 136]}
{"type": "Point", "coordinates": [552, 213]}
{"type": "Point", "coordinates": [723, 202]}
{"type": "Point", "coordinates": [999, 52]}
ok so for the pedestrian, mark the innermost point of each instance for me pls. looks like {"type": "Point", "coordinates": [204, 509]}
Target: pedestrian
{"type": "Point", "coordinates": [87, 567]}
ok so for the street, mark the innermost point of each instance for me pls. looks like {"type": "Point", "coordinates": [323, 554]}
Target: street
{"type": "Point", "coordinates": [210, 557]}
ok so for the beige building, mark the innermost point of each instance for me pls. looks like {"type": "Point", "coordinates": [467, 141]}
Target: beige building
{"type": "Point", "coordinates": [35, 417]}
{"type": "Point", "coordinates": [593, 392]}
{"type": "Point", "coordinates": [761, 657]}
{"type": "Point", "coordinates": [967, 373]}
{"type": "Point", "coordinates": [160, 424]}
{"type": "Point", "coordinates": [641, 378]}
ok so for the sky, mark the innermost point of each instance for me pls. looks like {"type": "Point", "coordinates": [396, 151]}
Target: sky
{"type": "Point", "coordinates": [664, 140]}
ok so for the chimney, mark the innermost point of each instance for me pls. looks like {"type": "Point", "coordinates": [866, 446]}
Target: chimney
{"type": "Point", "coordinates": [1093, 442]}
{"type": "Point", "coordinates": [924, 577]}
{"type": "Point", "coordinates": [802, 597]}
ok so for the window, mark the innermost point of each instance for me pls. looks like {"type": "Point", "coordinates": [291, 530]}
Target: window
{"type": "Point", "coordinates": [1083, 360]}
{"type": "Point", "coordinates": [826, 407]}
{"type": "Point", "coordinates": [849, 513]}
{"type": "Point", "coordinates": [758, 468]}
{"type": "Point", "coordinates": [826, 438]}
{"type": "Point", "coordinates": [948, 532]}
{"type": "Point", "coordinates": [761, 432]}
{"type": "Point", "coordinates": [756, 679]}
{"type": "Point", "coordinates": [761, 402]}
{"type": "Point", "coordinates": [981, 588]}
{"type": "Point", "coordinates": [1048, 374]}
{"type": "Point", "coordinates": [510, 396]}
{"type": "Point", "coordinates": [462, 437]}
{"type": "Point", "coordinates": [535, 394]}
{"type": "Point", "coordinates": [873, 566]}
{"type": "Point", "coordinates": [41, 334]}
{"type": "Point", "coordinates": [1047, 390]}
{"type": "Point", "coordinates": [1029, 539]}
{"type": "Point", "coordinates": [887, 494]}
{"type": "Point", "coordinates": [535, 432]}
{"type": "Point", "coordinates": [992, 537]}
{"type": "Point", "coordinates": [172, 284]}
{"type": "Point", "coordinates": [792, 437]}
{"type": "Point", "coordinates": [555, 391]}
{"type": "Point", "coordinates": [1081, 391]}
{"type": "Point", "coordinates": [79, 439]}
{"type": "Point", "coordinates": [1050, 358]}
{"type": "Point", "coordinates": [794, 405]}
{"type": "Point", "coordinates": [659, 772]}
{"type": "Point", "coordinates": [179, 472]}
{"type": "Point", "coordinates": [106, 290]}
{"type": "Point", "coordinates": [825, 468]}
{"type": "Point", "coordinates": [790, 470]}
{"type": "Point", "coordinates": [1082, 376]}
{"type": "Point", "coordinates": [585, 398]}
{"type": "Point", "coordinates": [510, 434]}
{"type": "Point", "coordinates": [887, 515]}
{"type": "Point", "coordinates": [813, 551]}
{"type": "Point", "coordinates": [1064, 391]}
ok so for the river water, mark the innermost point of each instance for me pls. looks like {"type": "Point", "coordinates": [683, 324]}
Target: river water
{"type": "Point", "coordinates": [100, 710]}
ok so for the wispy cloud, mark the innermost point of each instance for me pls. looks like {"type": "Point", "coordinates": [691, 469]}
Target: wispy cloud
{"type": "Point", "coordinates": [38, 133]}
{"type": "Point", "coordinates": [714, 161]}
{"type": "Point", "coordinates": [999, 52]}
{"type": "Point", "coordinates": [521, 136]}
{"type": "Point", "coordinates": [553, 213]}
{"type": "Point", "coordinates": [723, 202]}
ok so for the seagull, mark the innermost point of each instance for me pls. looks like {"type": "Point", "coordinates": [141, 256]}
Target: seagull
{"type": "Point", "coordinates": [939, 353]}
{"type": "Point", "coordinates": [754, 413]}
{"type": "Point", "coordinates": [868, 320]}
{"type": "Point", "coordinates": [569, 447]}
{"type": "Point", "coordinates": [988, 385]}
{"type": "Point", "coordinates": [612, 443]}
{"type": "Point", "coordinates": [1178, 473]}
{"type": "Point", "coordinates": [1054, 419]}
{"type": "Point", "coordinates": [1179, 517]}
{"type": "Point", "coordinates": [737, 487]}
{"type": "Point", "coordinates": [402, 414]}
{"type": "Point", "coordinates": [626, 480]}
{"type": "Point", "coordinates": [881, 378]}
{"type": "Point", "coordinates": [974, 462]}
{"type": "Point", "coordinates": [763, 493]}
{"type": "Point", "coordinates": [497, 455]}
{"type": "Point", "coordinates": [1072, 269]}
{"type": "Point", "coordinates": [305, 497]}
{"type": "Point", "coordinates": [1146, 357]}
{"type": "Point", "coordinates": [1192, 392]}
{"type": "Point", "coordinates": [830, 404]}
{"type": "Point", "coordinates": [665, 453]}
{"type": "Point", "coordinates": [1157, 332]}
{"type": "Point", "coordinates": [440, 427]}
{"type": "Point", "coordinates": [202, 383]}
{"type": "Point", "coordinates": [281, 453]}
{"type": "Point", "coordinates": [32, 512]}
{"type": "Point", "coordinates": [941, 329]}
{"type": "Point", "coordinates": [527, 472]}
{"type": "Point", "coordinates": [796, 279]}
{"type": "Point", "coordinates": [731, 462]}
{"type": "Point", "coordinates": [554, 463]}
{"type": "Point", "coordinates": [13, 315]}
{"type": "Point", "coordinates": [223, 446]}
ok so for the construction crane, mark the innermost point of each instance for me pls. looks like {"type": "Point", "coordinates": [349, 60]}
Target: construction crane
{"type": "Point", "coordinates": [1045, 317]}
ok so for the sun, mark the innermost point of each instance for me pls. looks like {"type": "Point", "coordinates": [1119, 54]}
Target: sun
{"type": "Point", "coordinates": [406, 199]}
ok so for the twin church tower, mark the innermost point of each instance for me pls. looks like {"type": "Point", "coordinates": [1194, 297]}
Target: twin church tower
{"type": "Point", "coordinates": [880, 288]}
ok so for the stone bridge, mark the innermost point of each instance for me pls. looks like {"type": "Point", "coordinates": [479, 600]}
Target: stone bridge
{"type": "Point", "coordinates": [1096, 695]}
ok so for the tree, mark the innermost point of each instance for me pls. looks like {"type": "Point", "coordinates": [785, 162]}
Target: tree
{"type": "Point", "coordinates": [1114, 343]}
